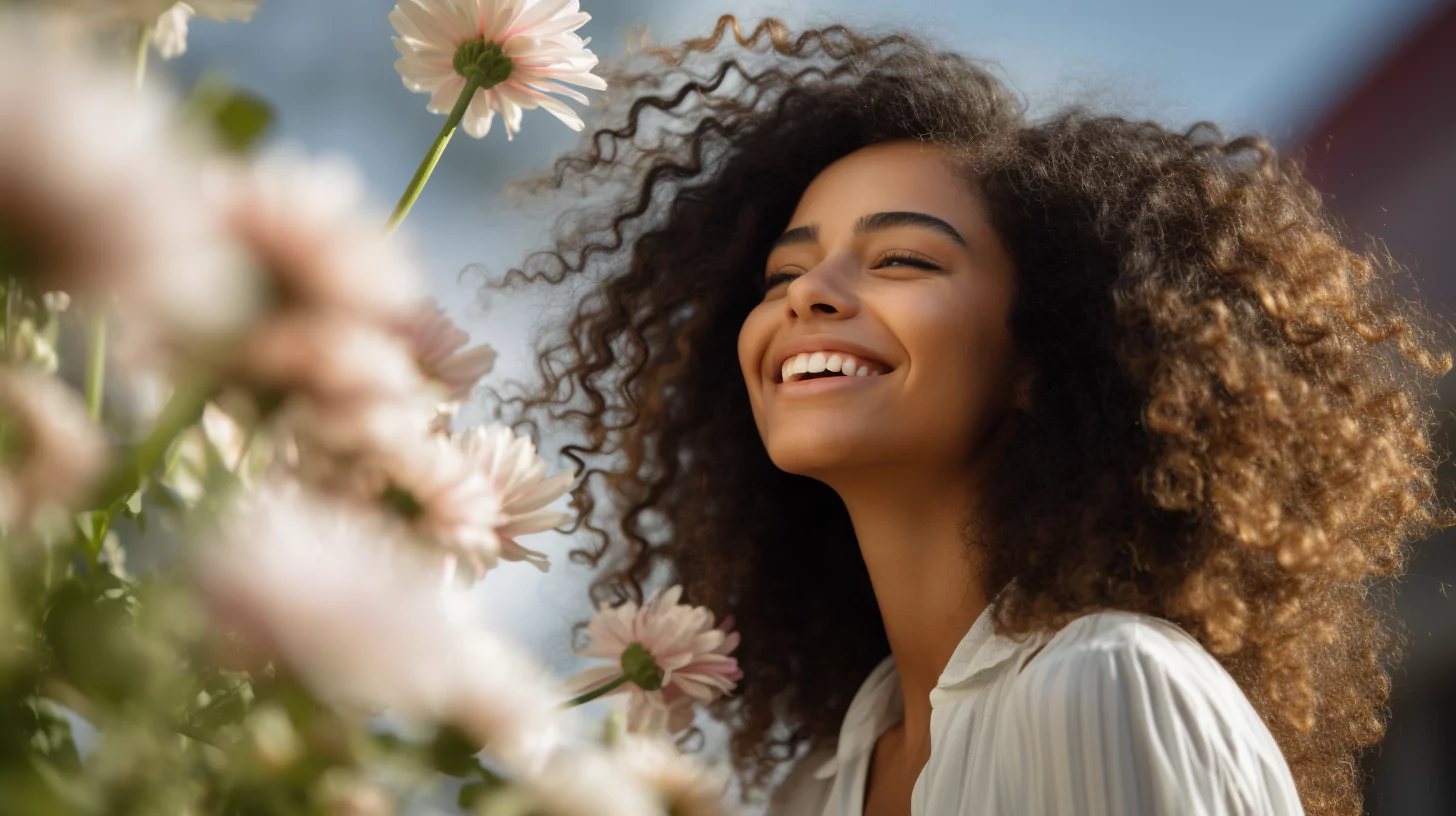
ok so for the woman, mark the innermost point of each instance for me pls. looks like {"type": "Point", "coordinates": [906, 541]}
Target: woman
{"type": "Point", "coordinates": [1091, 525]}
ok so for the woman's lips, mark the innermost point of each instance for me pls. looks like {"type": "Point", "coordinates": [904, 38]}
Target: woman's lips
{"type": "Point", "coordinates": [817, 353]}
{"type": "Point", "coordinates": [807, 364]}
{"type": "Point", "coordinates": [820, 385]}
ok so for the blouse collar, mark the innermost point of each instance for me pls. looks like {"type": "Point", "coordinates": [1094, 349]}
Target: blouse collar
{"type": "Point", "coordinates": [878, 704]}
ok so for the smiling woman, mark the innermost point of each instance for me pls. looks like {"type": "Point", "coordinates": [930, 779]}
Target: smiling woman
{"type": "Point", "coordinates": [876, 264]}
{"type": "Point", "coordinates": [1092, 525]}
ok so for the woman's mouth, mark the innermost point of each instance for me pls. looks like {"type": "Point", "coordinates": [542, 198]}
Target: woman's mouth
{"type": "Point", "coordinates": [818, 365]}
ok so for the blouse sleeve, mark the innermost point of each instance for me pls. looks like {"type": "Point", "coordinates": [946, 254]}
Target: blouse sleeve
{"type": "Point", "coordinates": [1143, 725]}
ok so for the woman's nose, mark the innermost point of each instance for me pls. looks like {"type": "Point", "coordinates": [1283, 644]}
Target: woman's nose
{"type": "Point", "coordinates": [824, 290]}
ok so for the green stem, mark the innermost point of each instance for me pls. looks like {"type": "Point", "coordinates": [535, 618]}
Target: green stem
{"type": "Point", "coordinates": [196, 734]}
{"type": "Point", "coordinates": [144, 43]}
{"type": "Point", "coordinates": [11, 335]}
{"type": "Point", "coordinates": [427, 166]}
{"type": "Point", "coordinates": [219, 700]}
{"type": "Point", "coordinates": [100, 526]}
{"type": "Point", "coordinates": [180, 412]}
{"type": "Point", "coordinates": [96, 366]}
{"type": "Point", "coordinates": [595, 693]}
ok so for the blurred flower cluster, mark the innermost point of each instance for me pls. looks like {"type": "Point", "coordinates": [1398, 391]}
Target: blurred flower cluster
{"type": "Point", "coordinates": [235, 513]}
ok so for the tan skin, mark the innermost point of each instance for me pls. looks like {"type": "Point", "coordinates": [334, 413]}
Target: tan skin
{"type": "Point", "coordinates": [904, 450]}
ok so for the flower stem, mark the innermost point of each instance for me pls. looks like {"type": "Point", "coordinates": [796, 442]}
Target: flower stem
{"type": "Point", "coordinates": [427, 166]}
{"type": "Point", "coordinates": [11, 319]}
{"type": "Point", "coordinates": [144, 43]}
{"type": "Point", "coordinates": [96, 366]}
{"type": "Point", "coordinates": [180, 412]}
{"type": "Point", "coordinates": [96, 361]}
{"type": "Point", "coordinates": [595, 693]}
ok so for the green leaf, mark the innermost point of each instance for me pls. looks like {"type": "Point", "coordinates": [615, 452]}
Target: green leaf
{"type": "Point", "coordinates": [243, 120]}
{"type": "Point", "coordinates": [453, 754]}
{"type": "Point", "coordinates": [238, 118]}
{"type": "Point", "coordinates": [106, 581]}
{"type": "Point", "coordinates": [166, 498]}
{"type": "Point", "coordinates": [227, 708]}
{"type": "Point", "coordinates": [45, 789]}
{"type": "Point", "coordinates": [95, 643]}
{"type": "Point", "coordinates": [470, 794]}
{"type": "Point", "coordinates": [473, 793]}
{"type": "Point", "coordinates": [134, 502]}
{"type": "Point", "coordinates": [50, 735]}
{"type": "Point", "coordinates": [507, 802]}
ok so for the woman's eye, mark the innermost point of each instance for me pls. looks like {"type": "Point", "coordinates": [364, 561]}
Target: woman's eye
{"type": "Point", "coordinates": [777, 278]}
{"type": "Point", "coordinates": [886, 260]}
{"type": "Point", "coordinates": [908, 260]}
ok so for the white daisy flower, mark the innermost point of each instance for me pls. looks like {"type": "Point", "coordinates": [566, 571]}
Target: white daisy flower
{"type": "Point", "coordinates": [447, 502]}
{"type": "Point", "coordinates": [170, 37]}
{"type": "Point", "coordinates": [100, 195]}
{"type": "Point", "coordinates": [506, 700]}
{"type": "Point", "coordinates": [687, 788]}
{"type": "Point", "coordinates": [588, 782]}
{"type": "Point", "coordinates": [447, 505]}
{"type": "Point", "coordinates": [327, 357]}
{"type": "Point", "coordinates": [518, 51]}
{"type": "Point", "coordinates": [168, 18]}
{"type": "Point", "coordinates": [439, 351]}
{"type": "Point", "coordinates": [518, 476]}
{"type": "Point", "coordinates": [310, 229]}
{"type": "Point", "coordinates": [330, 590]}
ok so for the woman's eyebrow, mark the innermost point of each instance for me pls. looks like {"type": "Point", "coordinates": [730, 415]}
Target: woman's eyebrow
{"type": "Point", "coordinates": [809, 233]}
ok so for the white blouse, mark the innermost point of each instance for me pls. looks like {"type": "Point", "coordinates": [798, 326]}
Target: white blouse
{"type": "Point", "coordinates": [1120, 714]}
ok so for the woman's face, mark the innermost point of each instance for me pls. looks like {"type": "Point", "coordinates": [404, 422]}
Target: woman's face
{"type": "Point", "coordinates": [889, 264]}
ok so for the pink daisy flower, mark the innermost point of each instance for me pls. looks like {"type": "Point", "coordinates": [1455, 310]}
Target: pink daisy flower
{"type": "Point", "coordinates": [671, 655]}
{"type": "Point", "coordinates": [527, 42]}
{"type": "Point", "coordinates": [439, 349]}
{"type": "Point", "coordinates": [518, 476]}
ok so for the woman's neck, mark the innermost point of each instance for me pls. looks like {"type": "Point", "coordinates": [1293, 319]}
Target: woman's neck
{"type": "Point", "coordinates": [927, 581]}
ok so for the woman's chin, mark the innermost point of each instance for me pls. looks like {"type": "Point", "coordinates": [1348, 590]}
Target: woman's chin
{"type": "Point", "coordinates": [818, 457]}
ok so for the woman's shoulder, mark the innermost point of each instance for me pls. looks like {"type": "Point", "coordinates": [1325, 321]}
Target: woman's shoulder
{"type": "Point", "coordinates": [1132, 697]}
{"type": "Point", "coordinates": [1129, 653]}
{"type": "Point", "coordinates": [1116, 628]}
{"type": "Point", "coordinates": [1102, 640]}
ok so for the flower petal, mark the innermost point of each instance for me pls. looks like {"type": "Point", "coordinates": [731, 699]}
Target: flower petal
{"type": "Point", "coordinates": [543, 493]}
{"type": "Point", "coordinates": [479, 116]}
{"type": "Point", "coordinates": [446, 95]}
{"type": "Point", "coordinates": [592, 678]}
{"type": "Point", "coordinates": [540, 13]}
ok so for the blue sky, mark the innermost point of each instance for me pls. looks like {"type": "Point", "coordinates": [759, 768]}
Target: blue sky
{"type": "Point", "coordinates": [1261, 65]}
{"type": "Point", "coordinates": [328, 67]}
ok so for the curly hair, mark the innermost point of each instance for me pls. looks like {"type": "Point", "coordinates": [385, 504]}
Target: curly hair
{"type": "Point", "coordinates": [1230, 422]}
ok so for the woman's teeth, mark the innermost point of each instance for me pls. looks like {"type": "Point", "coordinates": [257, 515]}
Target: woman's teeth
{"type": "Point", "coordinates": [795, 368]}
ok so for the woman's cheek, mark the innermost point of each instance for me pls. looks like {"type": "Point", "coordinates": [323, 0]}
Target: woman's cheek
{"type": "Point", "coordinates": [753, 338]}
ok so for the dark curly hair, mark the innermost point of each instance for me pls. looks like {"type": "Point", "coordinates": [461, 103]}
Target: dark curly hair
{"type": "Point", "coordinates": [1229, 427]}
